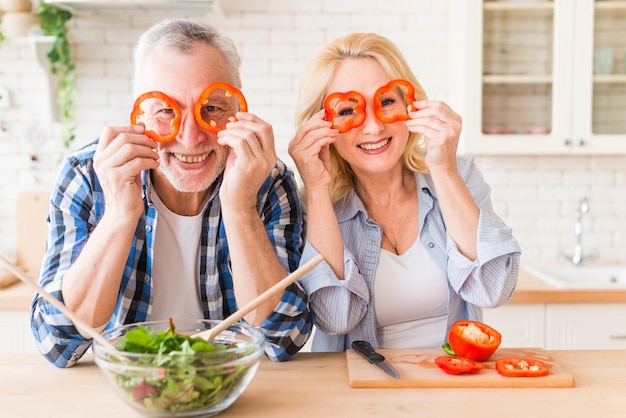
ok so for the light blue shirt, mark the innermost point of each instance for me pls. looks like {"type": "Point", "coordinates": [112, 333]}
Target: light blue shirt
{"type": "Point", "coordinates": [344, 309]}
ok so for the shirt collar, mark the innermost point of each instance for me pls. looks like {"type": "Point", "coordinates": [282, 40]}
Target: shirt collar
{"type": "Point", "coordinates": [349, 207]}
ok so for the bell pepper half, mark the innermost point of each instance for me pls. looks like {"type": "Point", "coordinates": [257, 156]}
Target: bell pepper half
{"type": "Point", "coordinates": [458, 365]}
{"type": "Point", "coordinates": [215, 107]}
{"type": "Point", "coordinates": [345, 110]}
{"type": "Point", "coordinates": [473, 340]}
{"type": "Point", "coordinates": [389, 90]}
{"type": "Point", "coordinates": [521, 367]}
{"type": "Point", "coordinates": [159, 114]}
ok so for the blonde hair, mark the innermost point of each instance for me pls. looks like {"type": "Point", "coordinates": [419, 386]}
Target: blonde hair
{"type": "Point", "coordinates": [318, 75]}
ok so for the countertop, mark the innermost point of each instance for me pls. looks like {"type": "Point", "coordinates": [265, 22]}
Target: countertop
{"type": "Point", "coordinates": [530, 289]}
{"type": "Point", "coordinates": [316, 385]}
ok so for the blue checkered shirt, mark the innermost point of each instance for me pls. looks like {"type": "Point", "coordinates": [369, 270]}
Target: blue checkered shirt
{"type": "Point", "coordinates": [77, 205]}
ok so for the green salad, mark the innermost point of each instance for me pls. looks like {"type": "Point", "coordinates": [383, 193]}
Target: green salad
{"type": "Point", "coordinates": [183, 377]}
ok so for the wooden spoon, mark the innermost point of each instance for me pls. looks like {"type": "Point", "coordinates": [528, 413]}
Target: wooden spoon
{"type": "Point", "coordinates": [210, 334]}
{"type": "Point", "coordinates": [84, 327]}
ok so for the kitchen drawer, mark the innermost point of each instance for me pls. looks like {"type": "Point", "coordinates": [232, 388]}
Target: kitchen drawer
{"type": "Point", "coordinates": [586, 326]}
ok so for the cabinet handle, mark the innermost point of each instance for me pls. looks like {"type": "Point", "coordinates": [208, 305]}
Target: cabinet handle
{"type": "Point", "coordinates": [567, 142]}
{"type": "Point", "coordinates": [617, 336]}
{"type": "Point", "coordinates": [581, 142]}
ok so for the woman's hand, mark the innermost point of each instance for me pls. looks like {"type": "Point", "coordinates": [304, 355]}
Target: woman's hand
{"type": "Point", "coordinates": [441, 128]}
{"type": "Point", "coordinates": [310, 150]}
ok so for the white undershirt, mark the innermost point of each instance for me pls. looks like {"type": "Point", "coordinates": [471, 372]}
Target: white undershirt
{"type": "Point", "coordinates": [175, 271]}
{"type": "Point", "coordinates": [411, 299]}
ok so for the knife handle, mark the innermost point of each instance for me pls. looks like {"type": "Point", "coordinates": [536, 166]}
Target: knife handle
{"type": "Point", "coordinates": [366, 350]}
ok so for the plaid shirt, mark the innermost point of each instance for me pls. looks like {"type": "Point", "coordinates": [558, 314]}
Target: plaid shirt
{"type": "Point", "coordinates": [77, 205]}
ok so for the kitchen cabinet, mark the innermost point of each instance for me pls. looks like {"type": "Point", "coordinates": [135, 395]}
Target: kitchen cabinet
{"type": "Point", "coordinates": [526, 82]}
{"type": "Point", "coordinates": [15, 335]}
{"type": "Point", "coordinates": [585, 326]}
{"type": "Point", "coordinates": [560, 326]}
{"type": "Point", "coordinates": [521, 324]}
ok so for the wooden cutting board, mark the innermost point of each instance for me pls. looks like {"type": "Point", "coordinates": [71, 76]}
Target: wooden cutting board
{"type": "Point", "coordinates": [418, 370]}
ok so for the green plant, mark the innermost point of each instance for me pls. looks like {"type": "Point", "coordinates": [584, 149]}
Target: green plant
{"type": "Point", "coordinates": [53, 23]}
{"type": "Point", "coordinates": [1, 35]}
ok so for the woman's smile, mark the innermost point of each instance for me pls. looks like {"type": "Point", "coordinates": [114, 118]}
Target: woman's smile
{"type": "Point", "coordinates": [375, 147]}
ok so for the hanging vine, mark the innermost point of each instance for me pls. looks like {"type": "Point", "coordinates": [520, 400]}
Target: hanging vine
{"type": "Point", "coordinates": [53, 23]}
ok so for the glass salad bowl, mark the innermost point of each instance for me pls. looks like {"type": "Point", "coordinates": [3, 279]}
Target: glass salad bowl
{"type": "Point", "coordinates": [160, 371]}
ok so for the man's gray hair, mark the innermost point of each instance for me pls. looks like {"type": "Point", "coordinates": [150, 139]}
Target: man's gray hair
{"type": "Point", "coordinates": [182, 35]}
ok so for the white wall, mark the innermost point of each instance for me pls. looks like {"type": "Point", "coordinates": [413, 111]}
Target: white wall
{"type": "Point", "coordinates": [535, 195]}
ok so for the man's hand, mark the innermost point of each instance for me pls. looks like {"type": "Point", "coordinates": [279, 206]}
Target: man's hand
{"type": "Point", "coordinates": [123, 153]}
{"type": "Point", "coordinates": [252, 157]}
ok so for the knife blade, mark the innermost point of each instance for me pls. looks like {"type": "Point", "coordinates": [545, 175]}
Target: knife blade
{"type": "Point", "coordinates": [366, 350]}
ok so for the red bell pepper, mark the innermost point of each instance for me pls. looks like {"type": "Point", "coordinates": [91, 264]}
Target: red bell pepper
{"type": "Point", "coordinates": [345, 110]}
{"type": "Point", "coordinates": [215, 108]}
{"type": "Point", "coordinates": [159, 114]}
{"type": "Point", "coordinates": [389, 91]}
{"type": "Point", "coordinates": [473, 340]}
{"type": "Point", "coordinates": [521, 367]}
{"type": "Point", "coordinates": [458, 365]}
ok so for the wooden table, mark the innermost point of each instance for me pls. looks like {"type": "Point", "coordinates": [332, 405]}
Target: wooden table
{"type": "Point", "coordinates": [315, 385]}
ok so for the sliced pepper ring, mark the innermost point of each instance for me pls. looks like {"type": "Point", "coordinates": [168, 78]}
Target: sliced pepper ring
{"type": "Point", "coordinates": [159, 114]}
{"type": "Point", "coordinates": [391, 88]}
{"type": "Point", "coordinates": [215, 107]}
{"type": "Point", "coordinates": [345, 110]}
{"type": "Point", "coordinates": [458, 365]}
{"type": "Point", "coordinates": [521, 367]}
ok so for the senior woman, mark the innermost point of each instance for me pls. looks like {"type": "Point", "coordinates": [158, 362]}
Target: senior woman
{"type": "Point", "coordinates": [406, 226]}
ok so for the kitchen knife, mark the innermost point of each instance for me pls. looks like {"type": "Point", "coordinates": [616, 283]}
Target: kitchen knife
{"type": "Point", "coordinates": [366, 350]}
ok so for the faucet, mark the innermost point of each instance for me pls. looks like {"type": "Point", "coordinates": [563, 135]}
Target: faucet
{"type": "Point", "coordinates": [583, 209]}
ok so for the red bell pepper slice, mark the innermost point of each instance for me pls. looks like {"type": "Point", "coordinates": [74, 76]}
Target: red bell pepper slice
{"type": "Point", "coordinates": [458, 365]}
{"type": "Point", "coordinates": [521, 367]}
{"type": "Point", "coordinates": [217, 106]}
{"type": "Point", "coordinates": [392, 99]}
{"type": "Point", "coordinates": [159, 114]}
{"type": "Point", "coordinates": [473, 340]}
{"type": "Point", "coordinates": [345, 110]}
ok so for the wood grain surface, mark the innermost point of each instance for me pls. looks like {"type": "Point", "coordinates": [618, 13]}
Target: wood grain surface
{"type": "Point", "coordinates": [418, 370]}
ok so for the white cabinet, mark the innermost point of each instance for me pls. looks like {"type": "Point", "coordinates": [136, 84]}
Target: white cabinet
{"type": "Point", "coordinates": [521, 325]}
{"type": "Point", "coordinates": [560, 326]}
{"type": "Point", "coordinates": [15, 335]}
{"type": "Point", "coordinates": [586, 326]}
{"type": "Point", "coordinates": [526, 82]}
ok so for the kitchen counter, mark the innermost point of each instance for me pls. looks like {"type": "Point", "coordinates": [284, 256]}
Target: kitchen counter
{"type": "Point", "coordinates": [530, 289]}
{"type": "Point", "coordinates": [316, 385]}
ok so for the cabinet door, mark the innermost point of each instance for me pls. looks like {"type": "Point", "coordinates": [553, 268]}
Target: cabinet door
{"type": "Point", "coordinates": [599, 125]}
{"type": "Point", "coordinates": [521, 325]}
{"type": "Point", "coordinates": [527, 85]}
{"type": "Point", "coordinates": [15, 335]}
{"type": "Point", "coordinates": [509, 93]}
{"type": "Point", "coordinates": [586, 326]}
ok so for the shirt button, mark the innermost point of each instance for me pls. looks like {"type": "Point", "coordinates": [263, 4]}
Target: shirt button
{"type": "Point", "coordinates": [431, 245]}
{"type": "Point", "coordinates": [147, 279]}
{"type": "Point", "coordinates": [148, 228]}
